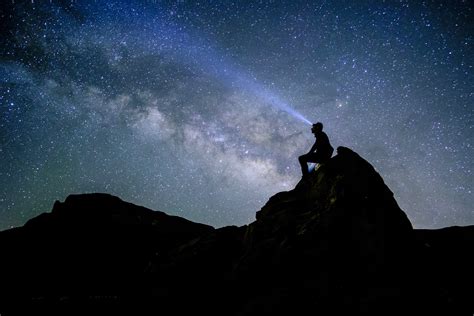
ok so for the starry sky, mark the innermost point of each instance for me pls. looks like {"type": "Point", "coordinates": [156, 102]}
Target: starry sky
{"type": "Point", "coordinates": [201, 108]}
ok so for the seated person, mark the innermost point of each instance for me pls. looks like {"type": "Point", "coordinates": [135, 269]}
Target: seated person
{"type": "Point", "coordinates": [320, 152]}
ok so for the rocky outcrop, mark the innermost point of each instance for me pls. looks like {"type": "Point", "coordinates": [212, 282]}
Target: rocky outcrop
{"type": "Point", "coordinates": [336, 244]}
{"type": "Point", "coordinates": [91, 249]}
{"type": "Point", "coordinates": [337, 232]}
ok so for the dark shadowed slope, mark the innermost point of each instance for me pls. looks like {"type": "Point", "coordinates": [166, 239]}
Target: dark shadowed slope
{"type": "Point", "coordinates": [337, 243]}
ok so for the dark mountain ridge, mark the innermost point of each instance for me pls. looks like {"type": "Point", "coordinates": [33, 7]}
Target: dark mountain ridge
{"type": "Point", "coordinates": [337, 243]}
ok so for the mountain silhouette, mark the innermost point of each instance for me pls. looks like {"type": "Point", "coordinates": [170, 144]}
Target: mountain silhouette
{"type": "Point", "coordinates": [337, 244]}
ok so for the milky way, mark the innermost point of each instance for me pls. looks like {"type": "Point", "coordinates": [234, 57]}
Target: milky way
{"type": "Point", "coordinates": [201, 109]}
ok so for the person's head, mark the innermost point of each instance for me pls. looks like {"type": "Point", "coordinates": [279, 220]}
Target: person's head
{"type": "Point", "coordinates": [318, 127]}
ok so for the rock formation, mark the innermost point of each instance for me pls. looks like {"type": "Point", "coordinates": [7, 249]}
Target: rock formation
{"type": "Point", "coordinates": [337, 243]}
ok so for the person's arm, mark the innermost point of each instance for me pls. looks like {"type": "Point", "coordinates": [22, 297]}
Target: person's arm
{"type": "Point", "coordinates": [313, 148]}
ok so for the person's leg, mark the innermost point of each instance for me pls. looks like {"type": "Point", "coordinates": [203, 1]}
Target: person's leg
{"type": "Point", "coordinates": [304, 159]}
{"type": "Point", "coordinates": [304, 164]}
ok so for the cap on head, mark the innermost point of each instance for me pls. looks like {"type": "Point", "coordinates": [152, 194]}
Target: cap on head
{"type": "Point", "coordinates": [317, 126]}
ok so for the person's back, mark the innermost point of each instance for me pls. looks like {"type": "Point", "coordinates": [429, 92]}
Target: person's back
{"type": "Point", "coordinates": [323, 145]}
{"type": "Point", "coordinates": [320, 152]}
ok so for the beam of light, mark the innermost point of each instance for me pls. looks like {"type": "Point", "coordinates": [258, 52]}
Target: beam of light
{"type": "Point", "coordinates": [274, 100]}
{"type": "Point", "coordinates": [224, 70]}
{"type": "Point", "coordinates": [210, 61]}
{"type": "Point", "coordinates": [157, 33]}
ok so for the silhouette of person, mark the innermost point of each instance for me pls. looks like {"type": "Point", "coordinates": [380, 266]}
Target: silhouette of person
{"type": "Point", "coordinates": [322, 146]}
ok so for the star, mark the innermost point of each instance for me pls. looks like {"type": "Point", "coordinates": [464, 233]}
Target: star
{"type": "Point", "coordinates": [202, 109]}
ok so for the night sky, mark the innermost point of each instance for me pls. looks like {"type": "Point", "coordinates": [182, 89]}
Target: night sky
{"type": "Point", "coordinates": [201, 109]}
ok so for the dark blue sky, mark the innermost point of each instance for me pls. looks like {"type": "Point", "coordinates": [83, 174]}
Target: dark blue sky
{"type": "Point", "coordinates": [200, 109]}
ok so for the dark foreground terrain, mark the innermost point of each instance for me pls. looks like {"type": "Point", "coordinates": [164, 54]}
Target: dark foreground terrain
{"type": "Point", "coordinates": [337, 244]}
